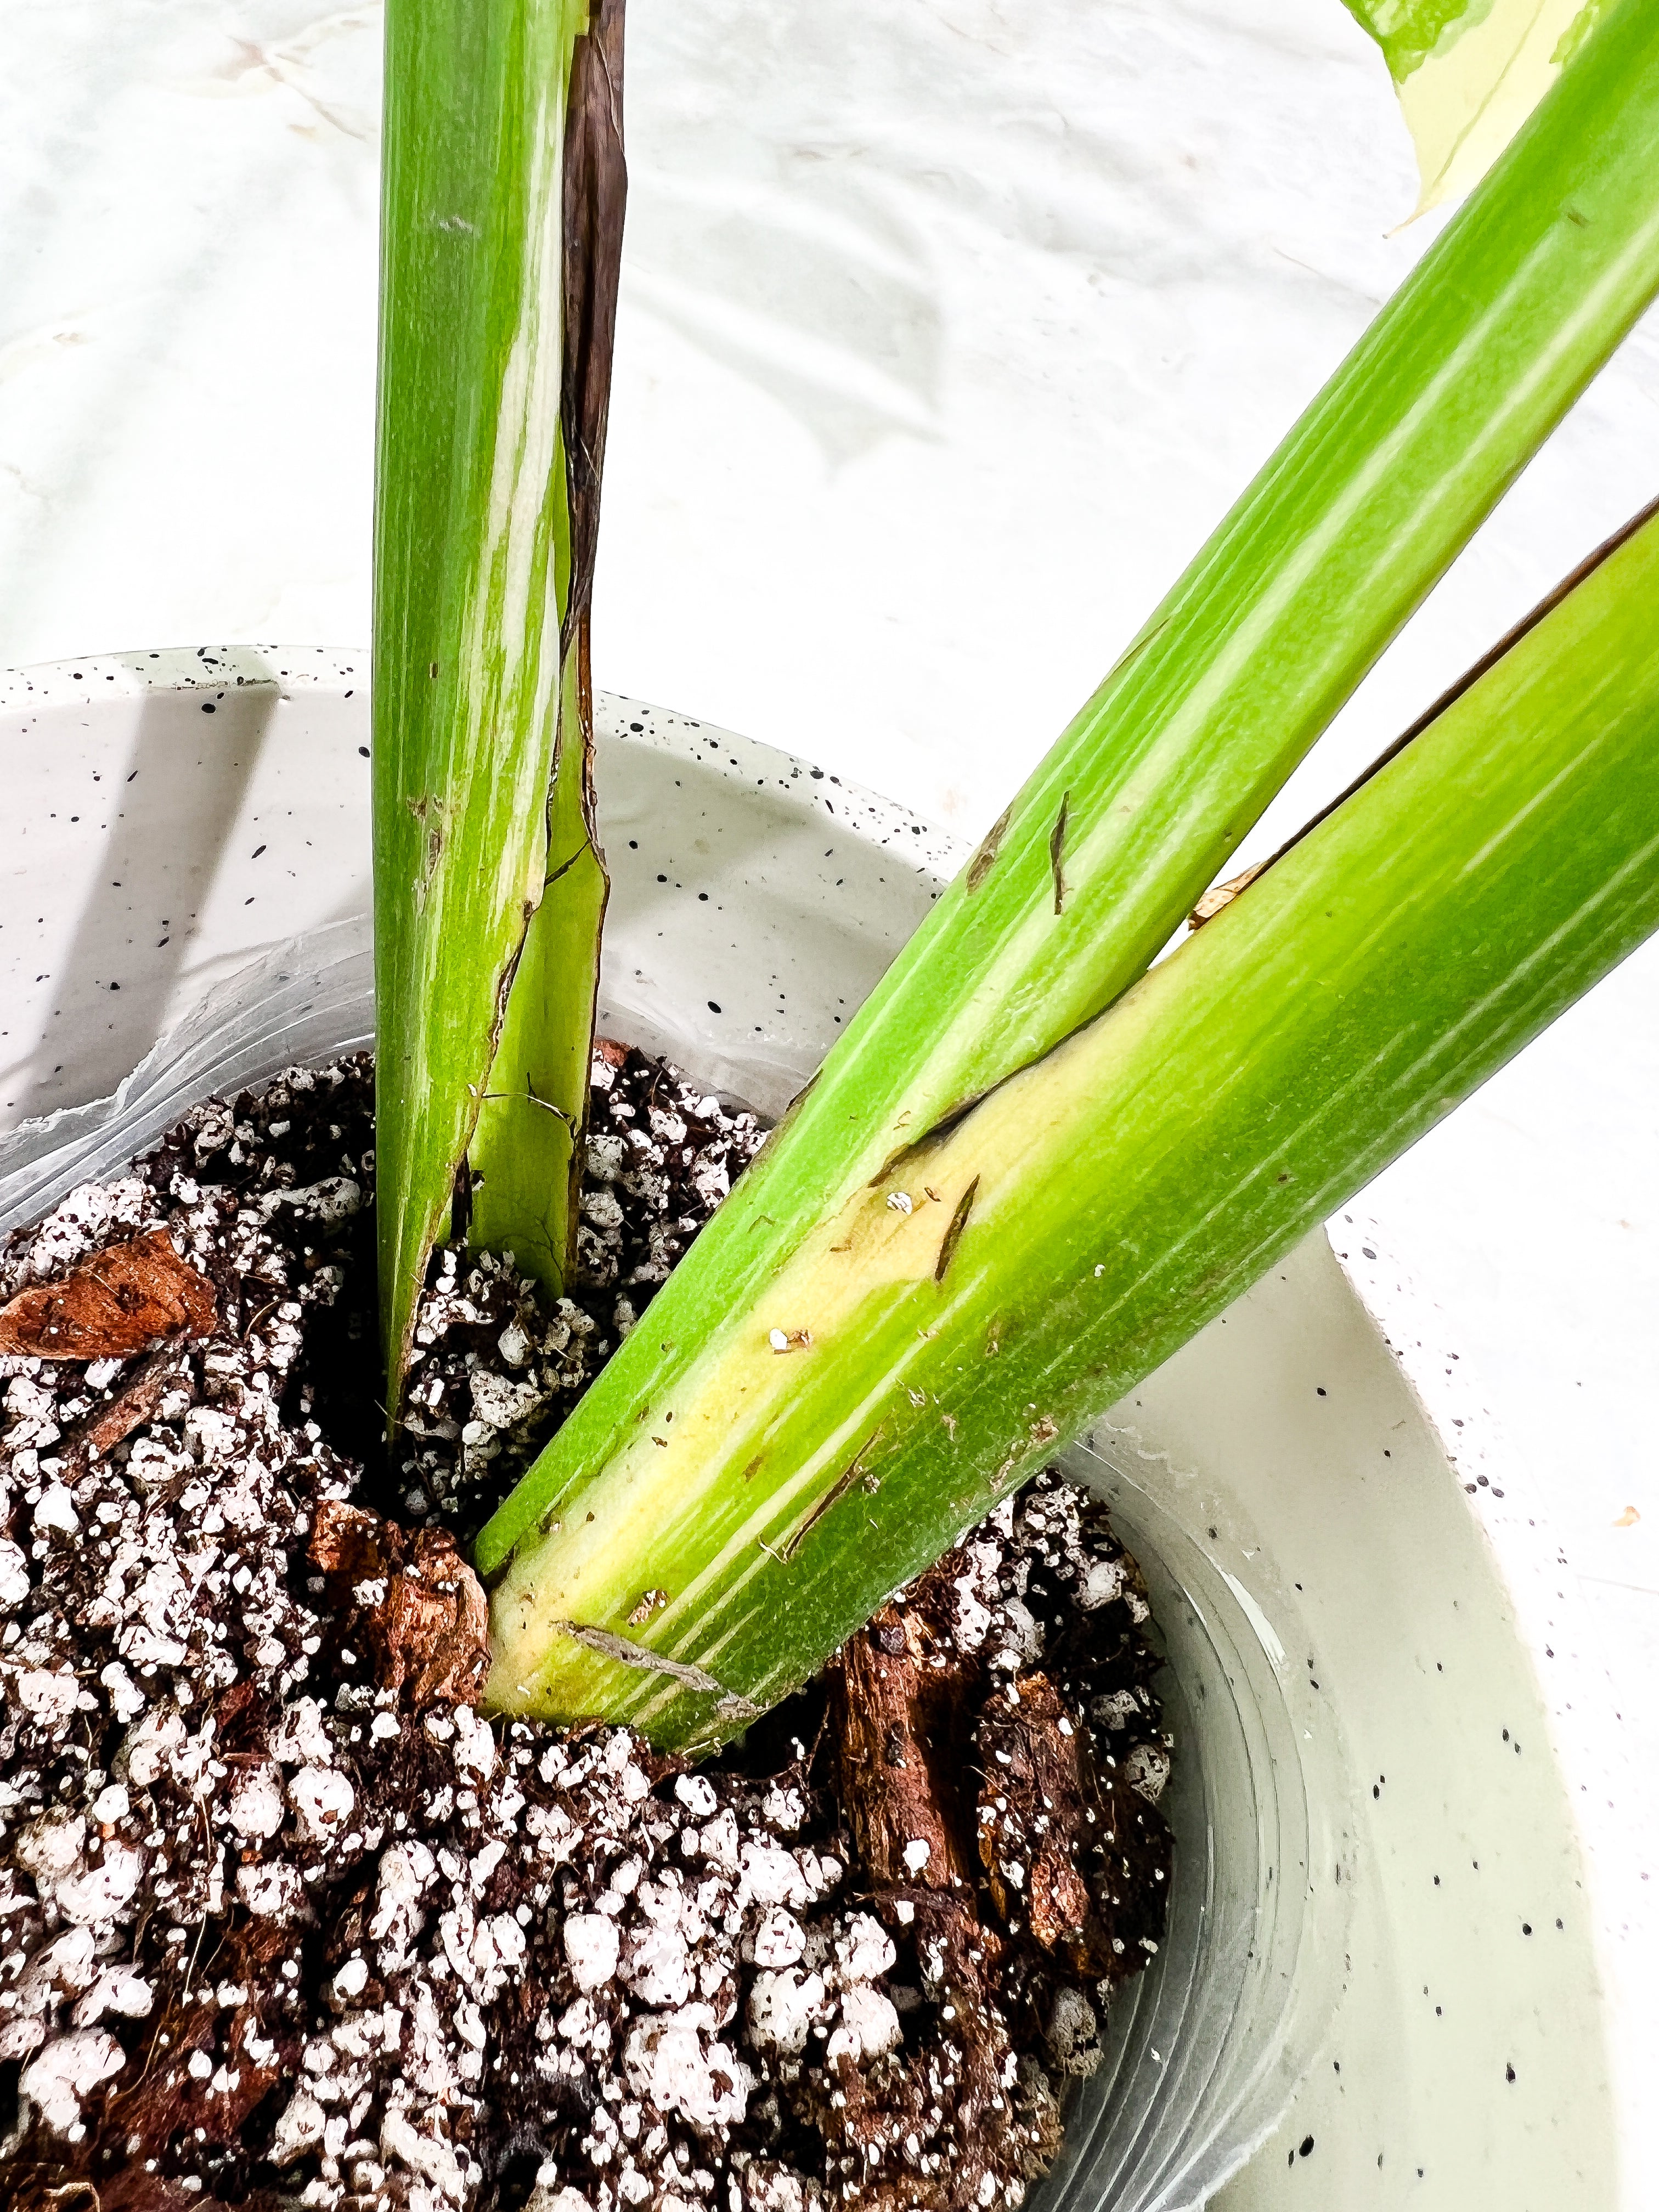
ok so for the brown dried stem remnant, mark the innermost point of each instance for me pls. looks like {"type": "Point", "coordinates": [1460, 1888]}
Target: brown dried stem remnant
{"type": "Point", "coordinates": [120, 1302]}
{"type": "Point", "coordinates": [595, 198]}
{"type": "Point", "coordinates": [1221, 895]}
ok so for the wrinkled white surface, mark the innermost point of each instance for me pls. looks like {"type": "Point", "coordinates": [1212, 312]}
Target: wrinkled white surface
{"type": "Point", "coordinates": [948, 329]}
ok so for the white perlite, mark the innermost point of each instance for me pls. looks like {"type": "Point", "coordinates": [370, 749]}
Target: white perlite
{"type": "Point", "coordinates": [322, 1799]}
{"type": "Point", "coordinates": [66, 2072]}
{"type": "Point", "coordinates": [13, 1576]}
{"type": "Point", "coordinates": [591, 1947]}
{"type": "Point", "coordinates": [257, 1809]}
{"type": "Point", "coordinates": [675, 2061]}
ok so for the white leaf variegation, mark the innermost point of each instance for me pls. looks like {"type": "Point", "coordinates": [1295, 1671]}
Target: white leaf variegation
{"type": "Point", "coordinates": [1469, 72]}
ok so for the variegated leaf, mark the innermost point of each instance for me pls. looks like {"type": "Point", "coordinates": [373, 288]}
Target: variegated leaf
{"type": "Point", "coordinates": [1468, 74]}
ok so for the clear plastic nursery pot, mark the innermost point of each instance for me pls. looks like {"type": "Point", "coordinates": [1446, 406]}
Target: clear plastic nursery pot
{"type": "Point", "coordinates": [182, 908]}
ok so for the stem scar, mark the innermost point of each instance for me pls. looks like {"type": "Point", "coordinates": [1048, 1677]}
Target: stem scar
{"type": "Point", "coordinates": [1135, 651]}
{"type": "Point", "coordinates": [985, 860]}
{"type": "Point", "coordinates": [628, 1654]}
{"type": "Point", "coordinates": [564, 866]}
{"type": "Point", "coordinates": [526, 1097]}
{"type": "Point", "coordinates": [952, 1236]}
{"type": "Point", "coordinates": [1057, 852]}
{"type": "Point", "coordinates": [833, 1495]}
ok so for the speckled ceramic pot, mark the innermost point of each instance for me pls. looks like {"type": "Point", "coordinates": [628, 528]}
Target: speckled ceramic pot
{"type": "Point", "coordinates": [1381, 1983]}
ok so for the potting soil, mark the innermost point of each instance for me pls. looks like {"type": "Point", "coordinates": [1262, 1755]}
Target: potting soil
{"type": "Point", "coordinates": [283, 1919]}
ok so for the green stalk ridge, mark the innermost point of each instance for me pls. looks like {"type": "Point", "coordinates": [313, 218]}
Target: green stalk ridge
{"type": "Point", "coordinates": [1010, 1277]}
{"type": "Point", "coordinates": [501, 223]}
{"type": "Point", "coordinates": [1228, 684]}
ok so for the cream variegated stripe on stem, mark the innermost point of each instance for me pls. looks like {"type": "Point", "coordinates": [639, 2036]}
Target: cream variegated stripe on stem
{"type": "Point", "coordinates": [524, 1158]}
{"type": "Point", "coordinates": [1139, 806]}
{"type": "Point", "coordinates": [473, 575]}
{"type": "Point", "coordinates": [1000, 1285]}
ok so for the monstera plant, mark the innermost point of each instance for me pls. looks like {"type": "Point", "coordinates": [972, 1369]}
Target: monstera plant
{"type": "Point", "coordinates": [1041, 1157]}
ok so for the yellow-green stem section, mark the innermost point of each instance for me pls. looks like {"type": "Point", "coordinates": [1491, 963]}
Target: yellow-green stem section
{"type": "Point", "coordinates": [525, 1158]}
{"type": "Point", "coordinates": [1001, 1285]}
{"type": "Point", "coordinates": [1146, 794]}
{"type": "Point", "coordinates": [472, 554]}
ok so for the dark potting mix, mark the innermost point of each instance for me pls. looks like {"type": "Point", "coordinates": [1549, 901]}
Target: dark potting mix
{"type": "Point", "coordinates": [285, 1919]}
